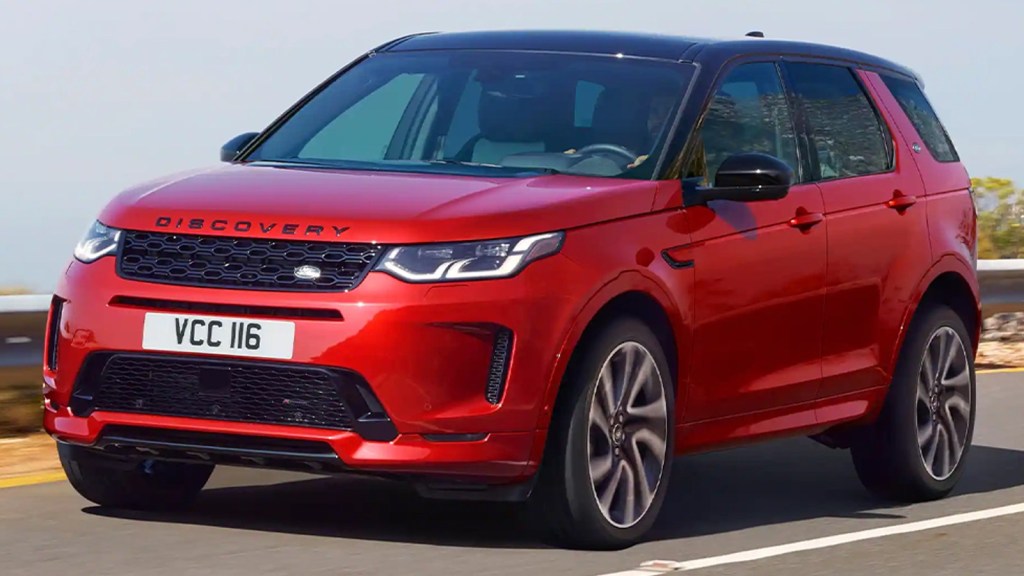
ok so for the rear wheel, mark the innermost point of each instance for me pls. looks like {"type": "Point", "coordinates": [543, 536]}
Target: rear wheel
{"type": "Point", "coordinates": [609, 455]}
{"type": "Point", "coordinates": [132, 484]}
{"type": "Point", "coordinates": [916, 449]}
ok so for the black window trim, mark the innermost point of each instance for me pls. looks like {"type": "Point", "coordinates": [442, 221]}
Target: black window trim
{"type": "Point", "coordinates": [807, 137]}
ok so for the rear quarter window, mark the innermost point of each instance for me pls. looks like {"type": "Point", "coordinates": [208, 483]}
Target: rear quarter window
{"type": "Point", "coordinates": [921, 114]}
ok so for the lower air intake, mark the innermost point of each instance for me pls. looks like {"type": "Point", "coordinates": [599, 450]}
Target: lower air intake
{"type": "Point", "coordinates": [233, 390]}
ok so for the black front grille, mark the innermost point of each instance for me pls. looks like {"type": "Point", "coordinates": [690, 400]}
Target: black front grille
{"type": "Point", "coordinates": [239, 391]}
{"type": "Point", "coordinates": [248, 263]}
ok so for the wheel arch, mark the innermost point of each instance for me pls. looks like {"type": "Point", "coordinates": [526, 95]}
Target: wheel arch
{"type": "Point", "coordinates": [954, 283]}
{"type": "Point", "coordinates": [634, 294]}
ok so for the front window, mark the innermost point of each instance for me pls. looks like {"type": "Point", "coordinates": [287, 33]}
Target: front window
{"type": "Point", "coordinates": [487, 113]}
{"type": "Point", "coordinates": [749, 113]}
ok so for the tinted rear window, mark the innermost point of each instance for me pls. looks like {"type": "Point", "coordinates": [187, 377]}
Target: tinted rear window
{"type": "Point", "coordinates": [923, 117]}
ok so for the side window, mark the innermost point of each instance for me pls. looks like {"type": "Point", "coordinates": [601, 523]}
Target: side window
{"type": "Point", "coordinates": [749, 113]}
{"type": "Point", "coordinates": [845, 128]}
{"type": "Point", "coordinates": [923, 117]}
{"type": "Point", "coordinates": [376, 117]}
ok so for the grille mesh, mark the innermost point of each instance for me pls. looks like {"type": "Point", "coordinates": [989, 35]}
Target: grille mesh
{"type": "Point", "coordinates": [259, 264]}
{"type": "Point", "coordinates": [221, 390]}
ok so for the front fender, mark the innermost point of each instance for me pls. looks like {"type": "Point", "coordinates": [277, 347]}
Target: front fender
{"type": "Point", "coordinates": [679, 311]}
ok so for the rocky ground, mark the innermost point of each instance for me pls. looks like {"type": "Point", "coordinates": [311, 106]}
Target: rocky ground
{"type": "Point", "coordinates": [1002, 342]}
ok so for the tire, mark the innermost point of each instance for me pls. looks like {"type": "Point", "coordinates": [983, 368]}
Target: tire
{"type": "Point", "coordinates": [888, 455]}
{"type": "Point", "coordinates": [565, 502]}
{"type": "Point", "coordinates": [132, 484]}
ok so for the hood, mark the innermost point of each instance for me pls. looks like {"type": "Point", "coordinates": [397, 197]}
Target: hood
{"type": "Point", "coordinates": [371, 206]}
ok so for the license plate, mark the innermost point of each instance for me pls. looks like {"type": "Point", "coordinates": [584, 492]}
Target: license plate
{"type": "Point", "coordinates": [218, 335]}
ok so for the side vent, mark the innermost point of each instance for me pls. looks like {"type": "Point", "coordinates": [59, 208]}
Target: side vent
{"type": "Point", "coordinates": [499, 365]}
{"type": "Point", "coordinates": [53, 332]}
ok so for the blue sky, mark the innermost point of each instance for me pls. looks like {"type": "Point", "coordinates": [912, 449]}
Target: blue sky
{"type": "Point", "coordinates": [99, 95]}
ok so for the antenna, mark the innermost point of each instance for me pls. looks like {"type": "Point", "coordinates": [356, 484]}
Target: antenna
{"type": "Point", "coordinates": [756, 34]}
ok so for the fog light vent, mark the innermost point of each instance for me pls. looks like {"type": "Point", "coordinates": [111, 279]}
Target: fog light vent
{"type": "Point", "coordinates": [499, 365]}
{"type": "Point", "coordinates": [53, 332]}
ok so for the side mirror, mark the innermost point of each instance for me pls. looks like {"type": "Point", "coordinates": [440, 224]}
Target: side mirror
{"type": "Point", "coordinates": [231, 149]}
{"type": "Point", "coordinates": [747, 177]}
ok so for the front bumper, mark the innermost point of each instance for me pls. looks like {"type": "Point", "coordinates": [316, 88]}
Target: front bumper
{"type": "Point", "coordinates": [425, 352]}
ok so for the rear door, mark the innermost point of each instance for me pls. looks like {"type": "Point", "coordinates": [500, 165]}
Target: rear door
{"type": "Point", "coordinates": [877, 228]}
{"type": "Point", "coordinates": [759, 266]}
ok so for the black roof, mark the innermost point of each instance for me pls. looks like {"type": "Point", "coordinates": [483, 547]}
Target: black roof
{"type": "Point", "coordinates": [635, 44]}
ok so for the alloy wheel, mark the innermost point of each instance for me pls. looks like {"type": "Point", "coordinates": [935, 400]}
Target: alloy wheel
{"type": "Point", "coordinates": [943, 403]}
{"type": "Point", "coordinates": [628, 433]}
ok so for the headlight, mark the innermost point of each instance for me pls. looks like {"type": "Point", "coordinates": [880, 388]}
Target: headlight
{"type": "Point", "coordinates": [468, 260]}
{"type": "Point", "coordinates": [99, 240]}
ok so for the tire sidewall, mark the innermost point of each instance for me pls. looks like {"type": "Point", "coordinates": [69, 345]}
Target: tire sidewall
{"type": "Point", "coordinates": [901, 412]}
{"type": "Point", "coordinates": [579, 488]}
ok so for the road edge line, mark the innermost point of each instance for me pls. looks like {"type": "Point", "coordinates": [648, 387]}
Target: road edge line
{"type": "Point", "coordinates": [31, 479]}
{"type": "Point", "coordinates": [663, 567]}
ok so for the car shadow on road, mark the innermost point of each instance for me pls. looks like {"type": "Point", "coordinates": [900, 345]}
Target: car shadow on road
{"type": "Point", "coordinates": [712, 493]}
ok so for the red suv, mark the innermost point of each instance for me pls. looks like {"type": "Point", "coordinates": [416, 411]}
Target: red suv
{"type": "Point", "coordinates": [536, 266]}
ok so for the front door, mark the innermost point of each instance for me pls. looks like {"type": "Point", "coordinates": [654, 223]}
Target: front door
{"type": "Point", "coordinates": [759, 266]}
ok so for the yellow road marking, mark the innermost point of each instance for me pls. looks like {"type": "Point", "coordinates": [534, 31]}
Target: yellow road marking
{"type": "Point", "coordinates": [30, 479]}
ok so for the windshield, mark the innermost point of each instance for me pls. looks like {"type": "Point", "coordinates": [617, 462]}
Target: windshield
{"type": "Point", "coordinates": [487, 113]}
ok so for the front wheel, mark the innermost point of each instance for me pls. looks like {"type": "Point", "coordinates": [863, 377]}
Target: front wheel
{"type": "Point", "coordinates": [610, 448]}
{"type": "Point", "coordinates": [916, 449]}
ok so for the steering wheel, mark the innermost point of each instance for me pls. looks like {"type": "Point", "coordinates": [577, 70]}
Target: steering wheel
{"type": "Point", "coordinates": [628, 155]}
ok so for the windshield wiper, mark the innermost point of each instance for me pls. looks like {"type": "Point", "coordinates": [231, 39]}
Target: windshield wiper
{"type": "Point", "coordinates": [451, 162]}
{"type": "Point", "coordinates": [297, 162]}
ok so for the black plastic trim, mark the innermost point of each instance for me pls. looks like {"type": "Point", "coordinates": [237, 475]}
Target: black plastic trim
{"type": "Point", "coordinates": [146, 443]}
{"type": "Point", "coordinates": [501, 355]}
{"type": "Point", "coordinates": [369, 420]}
{"type": "Point", "coordinates": [231, 444]}
{"type": "Point", "coordinates": [677, 264]}
{"type": "Point", "coordinates": [237, 309]}
{"type": "Point", "coordinates": [53, 332]}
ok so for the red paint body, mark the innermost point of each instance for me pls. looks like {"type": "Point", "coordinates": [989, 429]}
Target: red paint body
{"type": "Point", "coordinates": [779, 328]}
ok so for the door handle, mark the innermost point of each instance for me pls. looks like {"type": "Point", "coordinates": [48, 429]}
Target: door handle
{"type": "Point", "coordinates": [806, 220]}
{"type": "Point", "coordinates": [901, 202]}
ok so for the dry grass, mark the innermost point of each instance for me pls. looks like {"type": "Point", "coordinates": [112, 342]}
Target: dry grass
{"type": "Point", "coordinates": [25, 455]}
{"type": "Point", "coordinates": [20, 401]}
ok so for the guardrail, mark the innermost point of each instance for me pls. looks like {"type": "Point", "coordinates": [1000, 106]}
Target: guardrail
{"type": "Point", "coordinates": [1002, 286]}
{"type": "Point", "coordinates": [23, 317]}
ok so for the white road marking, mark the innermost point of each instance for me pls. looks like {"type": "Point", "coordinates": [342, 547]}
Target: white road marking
{"type": "Point", "coordinates": [662, 567]}
{"type": "Point", "coordinates": [17, 340]}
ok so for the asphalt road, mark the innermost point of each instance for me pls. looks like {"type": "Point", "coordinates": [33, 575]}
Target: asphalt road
{"type": "Point", "coordinates": [250, 522]}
